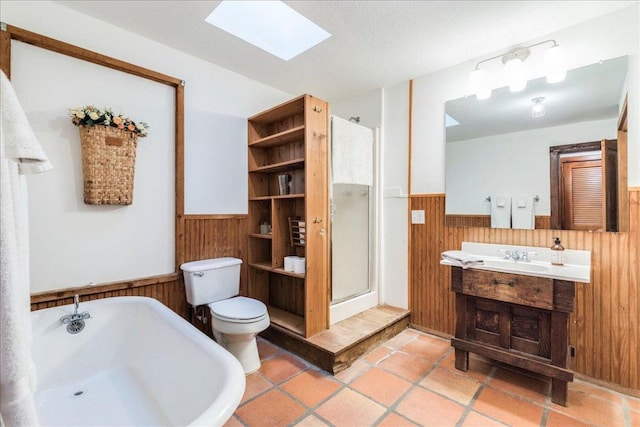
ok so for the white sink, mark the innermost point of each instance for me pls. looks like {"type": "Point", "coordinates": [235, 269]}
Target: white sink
{"type": "Point", "coordinates": [517, 266]}
{"type": "Point", "coordinates": [572, 272]}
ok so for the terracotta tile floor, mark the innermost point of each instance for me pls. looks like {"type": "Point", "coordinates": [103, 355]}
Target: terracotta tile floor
{"type": "Point", "coordinates": [410, 380]}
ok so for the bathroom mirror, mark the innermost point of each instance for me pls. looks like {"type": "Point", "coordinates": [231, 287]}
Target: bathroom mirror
{"type": "Point", "coordinates": [497, 147]}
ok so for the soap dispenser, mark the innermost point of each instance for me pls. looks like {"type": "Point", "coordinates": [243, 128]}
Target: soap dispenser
{"type": "Point", "coordinates": [557, 252]}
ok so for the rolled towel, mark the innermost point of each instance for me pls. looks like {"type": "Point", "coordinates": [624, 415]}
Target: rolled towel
{"type": "Point", "coordinates": [461, 259]}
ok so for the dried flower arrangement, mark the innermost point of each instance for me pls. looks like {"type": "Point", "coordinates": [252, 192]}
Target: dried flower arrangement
{"type": "Point", "coordinates": [92, 116]}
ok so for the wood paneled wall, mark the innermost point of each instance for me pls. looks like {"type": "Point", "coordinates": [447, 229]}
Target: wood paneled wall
{"type": "Point", "coordinates": [168, 289]}
{"type": "Point", "coordinates": [605, 325]}
{"type": "Point", "coordinates": [205, 236]}
{"type": "Point", "coordinates": [541, 222]}
{"type": "Point", "coordinates": [216, 236]}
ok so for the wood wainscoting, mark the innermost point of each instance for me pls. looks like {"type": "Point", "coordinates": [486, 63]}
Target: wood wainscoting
{"type": "Point", "coordinates": [205, 236]}
{"type": "Point", "coordinates": [541, 222]}
{"type": "Point", "coordinates": [167, 289]}
{"type": "Point", "coordinates": [604, 327]}
{"type": "Point", "coordinates": [216, 236]}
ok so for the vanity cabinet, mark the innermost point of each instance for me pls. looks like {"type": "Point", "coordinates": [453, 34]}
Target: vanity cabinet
{"type": "Point", "coordinates": [288, 184]}
{"type": "Point", "coordinates": [515, 319]}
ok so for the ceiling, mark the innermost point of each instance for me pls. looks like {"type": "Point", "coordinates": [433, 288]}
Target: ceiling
{"type": "Point", "coordinates": [374, 44]}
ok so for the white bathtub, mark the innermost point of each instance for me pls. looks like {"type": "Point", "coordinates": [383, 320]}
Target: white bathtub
{"type": "Point", "coordinates": [136, 363]}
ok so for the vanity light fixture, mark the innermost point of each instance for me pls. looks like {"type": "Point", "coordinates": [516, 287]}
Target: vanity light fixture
{"type": "Point", "coordinates": [538, 107]}
{"type": "Point", "coordinates": [515, 71]}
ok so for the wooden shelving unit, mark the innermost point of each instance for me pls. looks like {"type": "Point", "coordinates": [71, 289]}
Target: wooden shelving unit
{"type": "Point", "coordinates": [291, 140]}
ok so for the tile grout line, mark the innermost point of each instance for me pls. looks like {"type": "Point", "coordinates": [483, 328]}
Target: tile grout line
{"type": "Point", "coordinates": [367, 366]}
{"type": "Point", "coordinates": [469, 407]}
{"type": "Point", "coordinates": [416, 384]}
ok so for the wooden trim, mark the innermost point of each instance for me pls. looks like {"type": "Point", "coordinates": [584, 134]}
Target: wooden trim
{"type": "Point", "coordinates": [541, 222]}
{"type": "Point", "coordinates": [54, 45]}
{"type": "Point", "coordinates": [623, 120]}
{"type": "Point", "coordinates": [57, 294]}
{"type": "Point", "coordinates": [214, 216]}
{"type": "Point", "coordinates": [556, 171]}
{"type": "Point", "coordinates": [10, 32]}
{"type": "Point", "coordinates": [623, 168]}
{"type": "Point", "coordinates": [410, 135]}
{"type": "Point", "coordinates": [427, 195]}
{"type": "Point", "coordinates": [179, 224]}
{"type": "Point", "coordinates": [5, 51]}
{"type": "Point", "coordinates": [409, 171]}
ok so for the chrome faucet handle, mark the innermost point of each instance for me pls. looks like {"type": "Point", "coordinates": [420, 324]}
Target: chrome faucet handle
{"type": "Point", "coordinates": [506, 252]}
{"type": "Point", "coordinates": [526, 256]}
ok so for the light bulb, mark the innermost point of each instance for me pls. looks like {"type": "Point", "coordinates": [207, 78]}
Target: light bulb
{"type": "Point", "coordinates": [555, 64]}
{"type": "Point", "coordinates": [478, 84]}
{"type": "Point", "coordinates": [538, 107]}
{"type": "Point", "coordinates": [515, 75]}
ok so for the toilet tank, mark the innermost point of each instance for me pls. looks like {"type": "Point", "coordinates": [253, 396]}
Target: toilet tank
{"type": "Point", "coordinates": [211, 280]}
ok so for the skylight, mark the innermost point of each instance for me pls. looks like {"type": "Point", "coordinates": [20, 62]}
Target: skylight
{"type": "Point", "coordinates": [450, 121]}
{"type": "Point", "coordinates": [270, 25]}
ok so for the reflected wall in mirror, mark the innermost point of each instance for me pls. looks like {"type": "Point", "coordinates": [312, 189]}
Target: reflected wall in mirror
{"type": "Point", "coordinates": [499, 149]}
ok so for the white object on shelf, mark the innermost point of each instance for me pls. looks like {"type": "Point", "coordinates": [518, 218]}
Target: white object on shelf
{"type": "Point", "coordinates": [289, 263]}
{"type": "Point", "coordinates": [299, 265]}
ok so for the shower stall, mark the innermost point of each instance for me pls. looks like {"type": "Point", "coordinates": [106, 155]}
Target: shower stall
{"type": "Point", "coordinates": [354, 215]}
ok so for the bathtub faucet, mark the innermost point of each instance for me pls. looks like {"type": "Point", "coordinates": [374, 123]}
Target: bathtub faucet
{"type": "Point", "coordinates": [75, 321]}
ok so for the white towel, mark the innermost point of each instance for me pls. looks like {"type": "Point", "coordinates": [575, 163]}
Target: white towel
{"type": "Point", "coordinates": [20, 153]}
{"type": "Point", "coordinates": [351, 153]}
{"type": "Point", "coordinates": [461, 259]}
{"type": "Point", "coordinates": [522, 216]}
{"type": "Point", "coordinates": [500, 212]}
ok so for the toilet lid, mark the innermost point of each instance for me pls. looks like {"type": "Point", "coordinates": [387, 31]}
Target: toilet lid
{"type": "Point", "coordinates": [238, 308]}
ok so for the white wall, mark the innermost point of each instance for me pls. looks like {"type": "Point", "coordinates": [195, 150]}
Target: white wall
{"type": "Point", "coordinates": [215, 157]}
{"type": "Point", "coordinates": [513, 164]}
{"type": "Point", "coordinates": [106, 237]}
{"type": "Point", "coordinates": [388, 109]}
{"type": "Point", "coordinates": [606, 37]}
{"type": "Point", "coordinates": [368, 107]}
{"type": "Point", "coordinates": [395, 204]}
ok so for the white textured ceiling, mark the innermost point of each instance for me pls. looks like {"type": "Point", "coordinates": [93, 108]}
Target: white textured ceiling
{"type": "Point", "coordinates": [374, 44]}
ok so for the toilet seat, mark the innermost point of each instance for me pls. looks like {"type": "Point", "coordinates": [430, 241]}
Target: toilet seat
{"type": "Point", "coordinates": [238, 310]}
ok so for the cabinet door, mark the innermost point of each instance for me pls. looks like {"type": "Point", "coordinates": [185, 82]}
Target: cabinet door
{"type": "Point", "coordinates": [512, 327]}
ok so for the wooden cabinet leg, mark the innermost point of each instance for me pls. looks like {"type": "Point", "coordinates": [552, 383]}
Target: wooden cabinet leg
{"type": "Point", "coordinates": [559, 389]}
{"type": "Point", "coordinates": [462, 360]}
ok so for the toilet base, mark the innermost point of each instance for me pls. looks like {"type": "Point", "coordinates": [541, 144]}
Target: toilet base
{"type": "Point", "coordinates": [244, 347]}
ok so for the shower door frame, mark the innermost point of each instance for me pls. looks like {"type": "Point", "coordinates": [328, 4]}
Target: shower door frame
{"type": "Point", "coordinates": [353, 305]}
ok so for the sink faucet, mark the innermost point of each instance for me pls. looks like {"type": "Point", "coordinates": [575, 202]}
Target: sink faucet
{"type": "Point", "coordinates": [518, 256]}
{"type": "Point", "coordinates": [513, 255]}
{"type": "Point", "coordinates": [75, 321]}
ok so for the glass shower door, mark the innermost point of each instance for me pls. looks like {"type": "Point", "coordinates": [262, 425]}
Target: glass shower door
{"type": "Point", "coordinates": [350, 242]}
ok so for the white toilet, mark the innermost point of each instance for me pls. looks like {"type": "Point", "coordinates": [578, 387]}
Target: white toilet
{"type": "Point", "coordinates": [235, 320]}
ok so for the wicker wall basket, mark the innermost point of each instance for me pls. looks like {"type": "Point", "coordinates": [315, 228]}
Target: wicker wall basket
{"type": "Point", "coordinates": [108, 165]}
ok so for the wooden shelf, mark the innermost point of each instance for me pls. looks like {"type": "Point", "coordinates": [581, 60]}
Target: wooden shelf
{"type": "Point", "coordinates": [279, 167]}
{"type": "Point", "coordinates": [279, 138]}
{"type": "Point", "coordinates": [281, 111]}
{"type": "Point", "coordinates": [286, 196]}
{"type": "Point", "coordinates": [290, 139]}
{"type": "Point", "coordinates": [289, 196]}
{"type": "Point", "coordinates": [267, 266]}
{"type": "Point", "coordinates": [286, 319]}
{"type": "Point", "coordinates": [261, 236]}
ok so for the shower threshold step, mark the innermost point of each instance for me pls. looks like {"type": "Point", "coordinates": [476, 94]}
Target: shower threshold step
{"type": "Point", "coordinates": [336, 348]}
